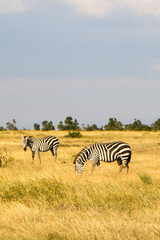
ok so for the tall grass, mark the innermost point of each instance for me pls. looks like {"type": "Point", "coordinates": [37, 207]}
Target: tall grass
{"type": "Point", "coordinates": [48, 201]}
{"type": "Point", "coordinates": [81, 195]}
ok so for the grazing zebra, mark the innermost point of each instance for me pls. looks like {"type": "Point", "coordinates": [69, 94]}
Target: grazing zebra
{"type": "Point", "coordinates": [106, 152]}
{"type": "Point", "coordinates": [41, 145]}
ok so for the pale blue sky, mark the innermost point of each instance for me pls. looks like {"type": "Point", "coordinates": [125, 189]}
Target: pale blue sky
{"type": "Point", "coordinates": [89, 59]}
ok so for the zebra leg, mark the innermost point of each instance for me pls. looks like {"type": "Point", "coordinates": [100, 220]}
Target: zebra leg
{"type": "Point", "coordinates": [119, 161]}
{"type": "Point", "coordinates": [95, 162]}
{"type": "Point", "coordinates": [38, 152]}
{"type": "Point", "coordinates": [125, 164]}
{"type": "Point", "coordinates": [54, 153]}
{"type": "Point", "coordinates": [33, 153]}
{"type": "Point", "coordinates": [120, 168]}
{"type": "Point", "coordinates": [99, 167]}
{"type": "Point", "coordinates": [93, 167]}
{"type": "Point", "coordinates": [127, 169]}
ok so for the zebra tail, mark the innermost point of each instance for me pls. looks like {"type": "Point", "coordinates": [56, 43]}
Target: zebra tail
{"type": "Point", "coordinates": [74, 162]}
{"type": "Point", "coordinates": [129, 158]}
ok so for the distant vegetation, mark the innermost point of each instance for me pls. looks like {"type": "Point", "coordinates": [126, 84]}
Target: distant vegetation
{"type": "Point", "coordinates": [72, 124]}
{"type": "Point", "coordinates": [11, 126]}
{"type": "Point", "coordinates": [69, 124]}
{"type": "Point", "coordinates": [74, 134]}
{"type": "Point", "coordinates": [46, 126]}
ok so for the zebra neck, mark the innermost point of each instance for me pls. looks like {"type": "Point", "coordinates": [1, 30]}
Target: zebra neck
{"type": "Point", "coordinates": [30, 144]}
{"type": "Point", "coordinates": [84, 156]}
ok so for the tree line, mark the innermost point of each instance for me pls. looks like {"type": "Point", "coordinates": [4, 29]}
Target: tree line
{"type": "Point", "coordinates": [72, 124]}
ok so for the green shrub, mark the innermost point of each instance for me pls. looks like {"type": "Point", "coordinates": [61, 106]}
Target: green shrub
{"type": "Point", "coordinates": [56, 236]}
{"type": "Point", "coordinates": [5, 160]}
{"type": "Point", "coordinates": [145, 178]}
{"type": "Point", "coordinates": [74, 134]}
{"type": "Point", "coordinates": [2, 128]}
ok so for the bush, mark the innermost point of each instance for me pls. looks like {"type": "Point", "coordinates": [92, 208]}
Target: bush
{"type": "Point", "coordinates": [74, 134]}
{"type": "Point", "coordinates": [5, 160]}
{"type": "Point", "coordinates": [91, 128]}
{"type": "Point", "coordinates": [145, 178]}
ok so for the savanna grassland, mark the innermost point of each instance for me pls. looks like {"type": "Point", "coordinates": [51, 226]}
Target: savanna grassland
{"type": "Point", "coordinates": [48, 201]}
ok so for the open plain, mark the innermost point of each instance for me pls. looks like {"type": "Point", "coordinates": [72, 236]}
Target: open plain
{"type": "Point", "coordinates": [48, 201]}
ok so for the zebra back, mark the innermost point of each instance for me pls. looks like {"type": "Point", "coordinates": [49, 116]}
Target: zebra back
{"type": "Point", "coordinates": [51, 141]}
{"type": "Point", "coordinates": [107, 152]}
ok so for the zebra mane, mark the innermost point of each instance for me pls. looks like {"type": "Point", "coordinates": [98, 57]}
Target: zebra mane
{"type": "Point", "coordinates": [30, 138]}
{"type": "Point", "coordinates": [82, 150]}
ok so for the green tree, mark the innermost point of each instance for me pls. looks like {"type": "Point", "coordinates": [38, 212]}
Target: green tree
{"type": "Point", "coordinates": [91, 128]}
{"type": "Point", "coordinates": [2, 128]}
{"type": "Point", "coordinates": [68, 121]}
{"type": "Point", "coordinates": [11, 126]}
{"type": "Point", "coordinates": [60, 126]}
{"type": "Point", "coordinates": [46, 126]}
{"type": "Point", "coordinates": [156, 125]}
{"type": "Point", "coordinates": [88, 128]}
{"type": "Point", "coordinates": [94, 127]}
{"type": "Point", "coordinates": [137, 126]}
{"type": "Point", "coordinates": [36, 126]}
{"type": "Point", "coordinates": [70, 124]}
{"type": "Point", "coordinates": [113, 124]}
{"type": "Point", "coordinates": [146, 128]}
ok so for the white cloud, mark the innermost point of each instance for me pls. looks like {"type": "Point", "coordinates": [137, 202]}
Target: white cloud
{"type": "Point", "coordinates": [144, 7]}
{"type": "Point", "coordinates": [13, 6]}
{"type": "Point", "coordinates": [90, 7]}
{"type": "Point", "coordinates": [95, 8]}
{"type": "Point", "coordinates": [101, 8]}
{"type": "Point", "coordinates": [26, 87]}
{"type": "Point", "coordinates": [155, 67]}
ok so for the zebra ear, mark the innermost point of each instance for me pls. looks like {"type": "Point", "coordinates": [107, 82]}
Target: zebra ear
{"type": "Point", "coordinates": [24, 137]}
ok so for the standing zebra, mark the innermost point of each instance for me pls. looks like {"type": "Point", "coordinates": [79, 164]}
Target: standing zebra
{"type": "Point", "coordinates": [41, 145]}
{"type": "Point", "coordinates": [106, 152]}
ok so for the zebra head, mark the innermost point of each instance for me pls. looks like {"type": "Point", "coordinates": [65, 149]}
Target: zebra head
{"type": "Point", "coordinates": [79, 164]}
{"type": "Point", "coordinates": [81, 158]}
{"type": "Point", "coordinates": [25, 142]}
{"type": "Point", "coordinates": [79, 169]}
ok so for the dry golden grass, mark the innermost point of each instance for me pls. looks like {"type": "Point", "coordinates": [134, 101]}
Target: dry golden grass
{"type": "Point", "coordinates": [48, 201]}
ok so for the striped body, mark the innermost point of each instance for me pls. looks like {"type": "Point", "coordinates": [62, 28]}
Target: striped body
{"type": "Point", "coordinates": [41, 145]}
{"type": "Point", "coordinates": [106, 152]}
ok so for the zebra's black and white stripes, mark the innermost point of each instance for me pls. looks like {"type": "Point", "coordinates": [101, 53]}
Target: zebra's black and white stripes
{"type": "Point", "coordinates": [106, 152]}
{"type": "Point", "coordinates": [41, 145]}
